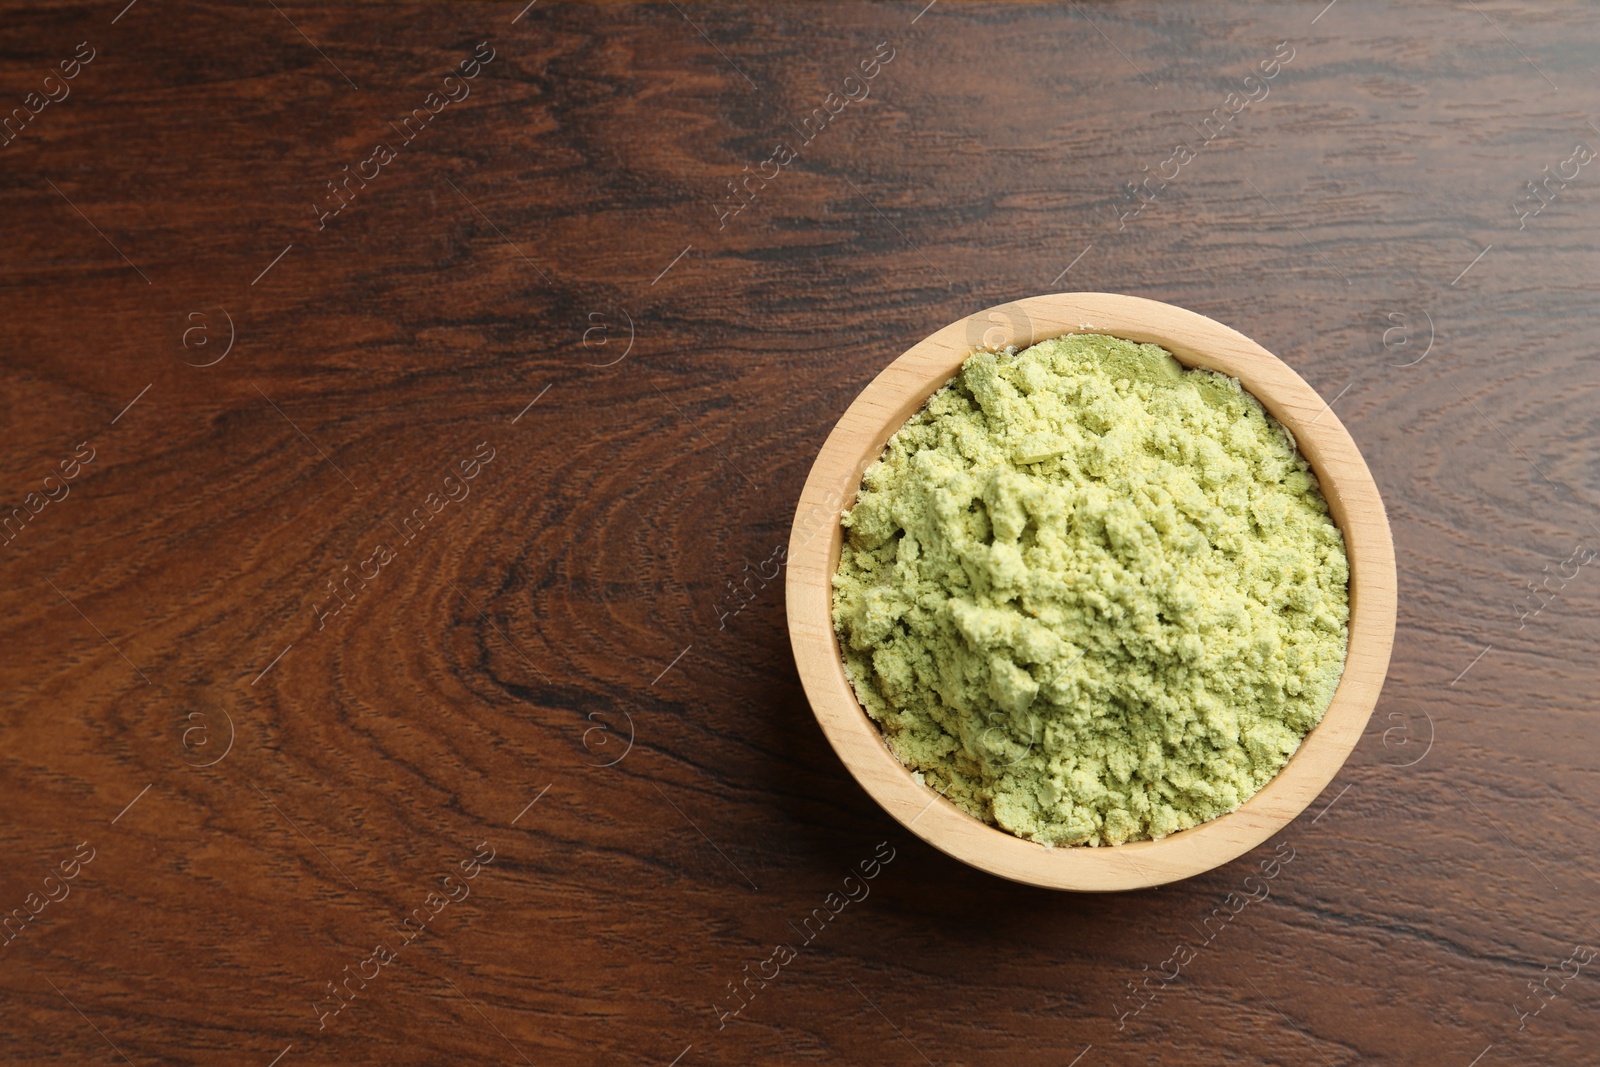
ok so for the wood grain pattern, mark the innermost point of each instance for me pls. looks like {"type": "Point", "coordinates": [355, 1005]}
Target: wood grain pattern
{"type": "Point", "coordinates": [901, 390]}
{"type": "Point", "coordinates": [602, 578]}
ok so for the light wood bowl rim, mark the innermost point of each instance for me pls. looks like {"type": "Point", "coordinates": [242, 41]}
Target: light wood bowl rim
{"type": "Point", "coordinates": [898, 392]}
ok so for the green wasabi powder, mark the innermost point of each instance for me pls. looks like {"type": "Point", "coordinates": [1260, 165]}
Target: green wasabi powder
{"type": "Point", "coordinates": [1092, 596]}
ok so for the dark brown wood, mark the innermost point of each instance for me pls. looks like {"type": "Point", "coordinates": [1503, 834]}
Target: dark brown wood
{"type": "Point", "coordinates": [542, 272]}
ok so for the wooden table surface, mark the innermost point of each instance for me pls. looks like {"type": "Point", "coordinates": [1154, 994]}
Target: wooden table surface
{"type": "Point", "coordinates": [395, 665]}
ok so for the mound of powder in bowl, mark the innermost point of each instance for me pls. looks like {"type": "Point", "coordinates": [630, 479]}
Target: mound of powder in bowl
{"type": "Point", "coordinates": [1092, 596]}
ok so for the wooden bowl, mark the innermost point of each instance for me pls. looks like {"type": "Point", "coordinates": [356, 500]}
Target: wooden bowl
{"type": "Point", "coordinates": [899, 392]}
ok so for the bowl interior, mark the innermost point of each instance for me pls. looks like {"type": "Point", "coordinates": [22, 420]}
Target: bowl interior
{"type": "Point", "coordinates": [816, 541]}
